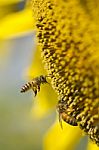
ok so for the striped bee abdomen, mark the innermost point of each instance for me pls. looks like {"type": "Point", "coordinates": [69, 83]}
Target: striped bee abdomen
{"type": "Point", "coordinates": [26, 87]}
{"type": "Point", "coordinates": [65, 113]}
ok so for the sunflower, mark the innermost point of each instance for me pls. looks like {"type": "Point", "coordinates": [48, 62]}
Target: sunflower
{"type": "Point", "coordinates": [67, 34]}
{"type": "Point", "coordinates": [67, 47]}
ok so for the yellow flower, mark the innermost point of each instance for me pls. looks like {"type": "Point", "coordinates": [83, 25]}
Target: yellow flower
{"type": "Point", "coordinates": [68, 37]}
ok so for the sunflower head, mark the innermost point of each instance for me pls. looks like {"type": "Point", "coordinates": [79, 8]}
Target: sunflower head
{"type": "Point", "coordinates": [66, 34]}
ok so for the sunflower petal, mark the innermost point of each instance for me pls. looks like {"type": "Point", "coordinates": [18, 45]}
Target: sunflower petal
{"type": "Point", "coordinates": [59, 139]}
{"type": "Point", "coordinates": [46, 98]}
{"type": "Point", "coordinates": [9, 2]}
{"type": "Point", "coordinates": [16, 23]}
{"type": "Point", "coordinates": [92, 146]}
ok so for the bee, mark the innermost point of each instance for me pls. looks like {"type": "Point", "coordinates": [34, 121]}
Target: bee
{"type": "Point", "coordinates": [34, 84]}
{"type": "Point", "coordinates": [64, 115]}
{"type": "Point", "coordinates": [68, 119]}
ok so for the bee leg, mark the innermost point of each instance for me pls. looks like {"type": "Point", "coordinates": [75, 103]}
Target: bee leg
{"type": "Point", "coordinates": [35, 92]}
{"type": "Point", "coordinates": [38, 87]}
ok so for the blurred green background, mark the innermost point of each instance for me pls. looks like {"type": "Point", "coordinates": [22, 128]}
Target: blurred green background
{"type": "Point", "coordinates": [18, 130]}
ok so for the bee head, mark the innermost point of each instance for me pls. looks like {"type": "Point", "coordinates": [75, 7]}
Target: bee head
{"type": "Point", "coordinates": [43, 79]}
{"type": "Point", "coordinates": [61, 106]}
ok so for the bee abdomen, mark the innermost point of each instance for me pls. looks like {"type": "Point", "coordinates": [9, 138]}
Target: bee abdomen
{"type": "Point", "coordinates": [26, 87]}
{"type": "Point", "coordinates": [69, 119]}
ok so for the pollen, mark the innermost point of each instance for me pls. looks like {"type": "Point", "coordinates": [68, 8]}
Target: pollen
{"type": "Point", "coordinates": [68, 43]}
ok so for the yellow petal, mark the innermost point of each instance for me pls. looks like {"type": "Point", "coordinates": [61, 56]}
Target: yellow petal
{"type": "Point", "coordinates": [16, 24]}
{"type": "Point", "coordinates": [9, 2]}
{"type": "Point", "coordinates": [46, 98]}
{"type": "Point", "coordinates": [92, 146]}
{"type": "Point", "coordinates": [36, 67]}
{"type": "Point", "coordinates": [61, 139]}
{"type": "Point", "coordinates": [44, 102]}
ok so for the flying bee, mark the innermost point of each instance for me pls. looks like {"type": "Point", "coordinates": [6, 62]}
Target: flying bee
{"type": "Point", "coordinates": [63, 111]}
{"type": "Point", "coordinates": [34, 84]}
